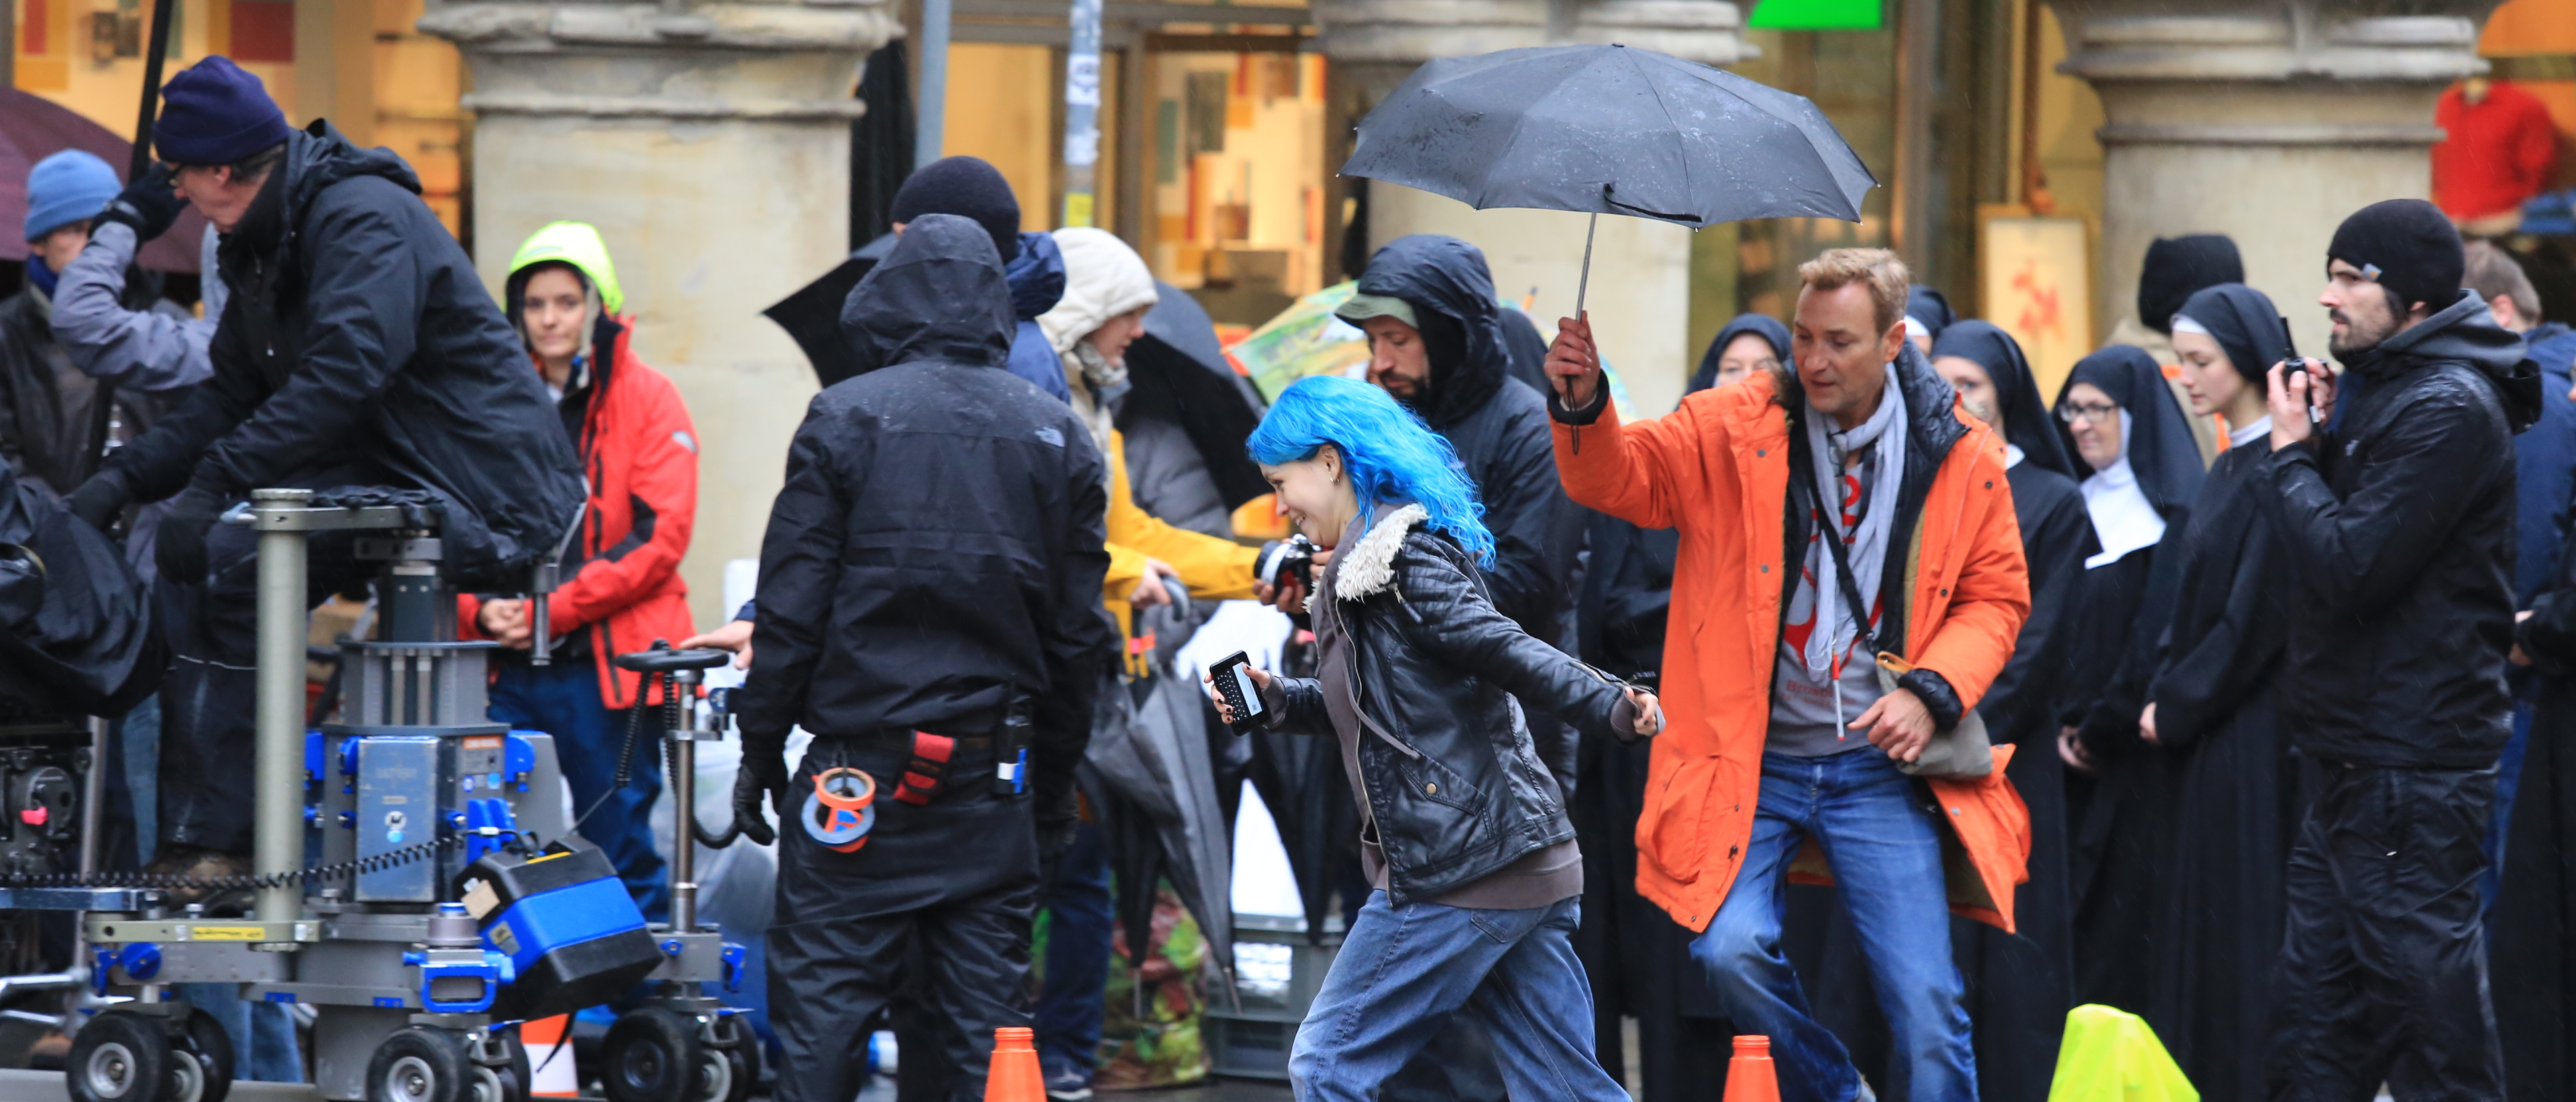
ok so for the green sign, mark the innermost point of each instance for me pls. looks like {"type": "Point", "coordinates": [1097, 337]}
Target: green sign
{"type": "Point", "coordinates": [1816, 15]}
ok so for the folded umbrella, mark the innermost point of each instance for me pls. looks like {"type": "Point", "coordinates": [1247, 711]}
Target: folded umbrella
{"type": "Point", "coordinates": [1610, 130]}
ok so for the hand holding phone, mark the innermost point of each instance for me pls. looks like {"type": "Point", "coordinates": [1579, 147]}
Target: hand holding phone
{"type": "Point", "coordinates": [1238, 692]}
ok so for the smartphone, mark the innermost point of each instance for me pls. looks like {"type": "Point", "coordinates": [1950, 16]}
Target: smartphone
{"type": "Point", "coordinates": [1233, 677]}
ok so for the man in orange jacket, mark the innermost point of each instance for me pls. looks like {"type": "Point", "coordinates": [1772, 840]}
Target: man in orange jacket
{"type": "Point", "coordinates": [622, 587]}
{"type": "Point", "coordinates": [1850, 520]}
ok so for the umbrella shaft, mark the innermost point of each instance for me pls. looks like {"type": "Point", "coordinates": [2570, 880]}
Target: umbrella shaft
{"type": "Point", "coordinates": [1583, 287]}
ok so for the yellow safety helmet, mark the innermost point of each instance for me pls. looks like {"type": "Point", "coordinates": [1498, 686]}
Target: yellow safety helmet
{"type": "Point", "coordinates": [577, 244]}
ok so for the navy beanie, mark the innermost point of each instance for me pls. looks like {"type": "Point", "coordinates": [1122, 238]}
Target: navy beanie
{"type": "Point", "coordinates": [2407, 246]}
{"type": "Point", "coordinates": [214, 113]}
{"type": "Point", "coordinates": [969, 187]}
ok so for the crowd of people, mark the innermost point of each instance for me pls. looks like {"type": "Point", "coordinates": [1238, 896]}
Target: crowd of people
{"type": "Point", "coordinates": [1869, 701]}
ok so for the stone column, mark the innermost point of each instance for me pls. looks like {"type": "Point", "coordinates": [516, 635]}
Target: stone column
{"type": "Point", "coordinates": [710, 143]}
{"type": "Point", "coordinates": [2265, 122]}
{"type": "Point", "coordinates": [1640, 292]}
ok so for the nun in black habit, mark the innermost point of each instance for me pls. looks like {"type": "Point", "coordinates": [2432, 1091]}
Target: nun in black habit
{"type": "Point", "coordinates": [2118, 415]}
{"type": "Point", "coordinates": [1637, 957]}
{"type": "Point", "coordinates": [2210, 709]}
{"type": "Point", "coordinates": [1927, 313]}
{"type": "Point", "coordinates": [2020, 986]}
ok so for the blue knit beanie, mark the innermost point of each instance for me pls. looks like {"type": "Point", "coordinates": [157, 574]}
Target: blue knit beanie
{"type": "Point", "coordinates": [213, 113]}
{"type": "Point", "coordinates": [66, 188]}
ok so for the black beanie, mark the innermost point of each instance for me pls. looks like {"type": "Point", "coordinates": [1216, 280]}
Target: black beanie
{"type": "Point", "coordinates": [969, 187]}
{"type": "Point", "coordinates": [2177, 268]}
{"type": "Point", "coordinates": [2407, 246]}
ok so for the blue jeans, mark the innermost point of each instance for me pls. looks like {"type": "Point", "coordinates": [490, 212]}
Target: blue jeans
{"type": "Point", "coordinates": [562, 700]}
{"type": "Point", "coordinates": [1403, 971]}
{"type": "Point", "coordinates": [1886, 858]}
{"type": "Point", "coordinates": [1070, 1003]}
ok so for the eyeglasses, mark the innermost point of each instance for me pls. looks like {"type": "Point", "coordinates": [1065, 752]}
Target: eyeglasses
{"type": "Point", "coordinates": [2096, 412]}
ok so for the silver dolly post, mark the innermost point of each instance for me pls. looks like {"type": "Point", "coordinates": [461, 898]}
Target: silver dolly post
{"type": "Point", "coordinates": [277, 838]}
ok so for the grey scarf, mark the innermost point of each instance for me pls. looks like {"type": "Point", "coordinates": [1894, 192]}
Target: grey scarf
{"type": "Point", "coordinates": [1867, 551]}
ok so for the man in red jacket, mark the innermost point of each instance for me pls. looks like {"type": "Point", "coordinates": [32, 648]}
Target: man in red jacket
{"type": "Point", "coordinates": [622, 587]}
{"type": "Point", "coordinates": [2499, 148]}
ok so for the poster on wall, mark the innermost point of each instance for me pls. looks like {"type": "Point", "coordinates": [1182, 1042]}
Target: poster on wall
{"type": "Point", "coordinates": [2038, 284]}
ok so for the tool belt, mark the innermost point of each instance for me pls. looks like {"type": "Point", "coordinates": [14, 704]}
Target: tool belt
{"type": "Point", "coordinates": [931, 757]}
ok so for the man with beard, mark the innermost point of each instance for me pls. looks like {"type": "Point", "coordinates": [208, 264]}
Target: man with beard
{"type": "Point", "coordinates": [1438, 343]}
{"type": "Point", "coordinates": [2400, 526]}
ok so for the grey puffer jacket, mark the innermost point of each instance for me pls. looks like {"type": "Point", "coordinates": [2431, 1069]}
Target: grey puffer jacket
{"type": "Point", "coordinates": [1447, 767]}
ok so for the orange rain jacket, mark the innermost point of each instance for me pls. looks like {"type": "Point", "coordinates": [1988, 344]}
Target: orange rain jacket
{"type": "Point", "coordinates": [1717, 469]}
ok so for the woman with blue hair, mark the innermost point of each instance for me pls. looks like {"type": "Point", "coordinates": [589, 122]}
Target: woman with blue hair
{"type": "Point", "coordinates": [1472, 862]}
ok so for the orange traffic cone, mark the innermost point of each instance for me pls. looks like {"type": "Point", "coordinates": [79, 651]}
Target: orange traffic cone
{"type": "Point", "coordinates": [1749, 1075]}
{"type": "Point", "coordinates": [1014, 1074]}
{"type": "Point", "coordinates": [550, 1058]}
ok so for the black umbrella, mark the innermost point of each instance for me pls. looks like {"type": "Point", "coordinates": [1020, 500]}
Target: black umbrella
{"type": "Point", "coordinates": [813, 314]}
{"type": "Point", "coordinates": [1178, 371]}
{"type": "Point", "coordinates": [1610, 130]}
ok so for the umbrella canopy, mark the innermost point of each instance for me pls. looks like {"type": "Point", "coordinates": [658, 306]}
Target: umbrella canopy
{"type": "Point", "coordinates": [1179, 372]}
{"type": "Point", "coordinates": [1610, 130]}
{"type": "Point", "coordinates": [33, 128]}
{"type": "Point", "coordinates": [1306, 340]}
{"type": "Point", "coordinates": [813, 314]}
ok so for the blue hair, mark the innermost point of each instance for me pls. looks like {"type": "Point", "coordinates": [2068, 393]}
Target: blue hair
{"type": "Point", "coordinates": [1391, 454]}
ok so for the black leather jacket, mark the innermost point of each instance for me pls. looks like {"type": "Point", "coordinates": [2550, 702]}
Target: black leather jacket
{"type": "Point", "coordinates": [2401, 525]}
{"type": "Point", "coordinates": [1446, 762]}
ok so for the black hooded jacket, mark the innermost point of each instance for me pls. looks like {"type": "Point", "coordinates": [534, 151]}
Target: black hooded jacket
{"type": "Point", "coordinates": [1497, 424]}
{"type": "Point", "coordinates": [936, 551]}
{"type": "Point", "coordinates": [2400, 524]}
{"type": "Point", "coordinates": [358, 332]}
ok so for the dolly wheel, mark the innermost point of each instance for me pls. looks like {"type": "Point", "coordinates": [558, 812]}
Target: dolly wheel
{"type": "Point", "coordinates": [742, 1055]}
{"type": "Point", "coordinates": [214, 1051]}
{"type": "Point", "coordinates": [653, 1055]}
{"type": "Point", "coordinates": [421, 1064]}
{"type": "Point", "coordinates": [511, 1078]}
{"type": "Point", "coordinates": [124, 1057]}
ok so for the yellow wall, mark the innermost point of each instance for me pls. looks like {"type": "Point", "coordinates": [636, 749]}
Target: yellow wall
{"type": "Point", "coordinates": [106, 92]}
{"type": "Point", "coordinates": [2065, 114]}
{"type": "Point", "coordinates": [1001, 107]}
{"type": "Point", "coordinates": [378, 80]}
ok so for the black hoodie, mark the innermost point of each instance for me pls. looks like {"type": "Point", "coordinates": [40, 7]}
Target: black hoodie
{"type": "Point", "coordinates": [2401, 528]}
{"type": "Point", "coordinates": [1498, 424]}
{"type": "Point", "coordinates": [358, 334]}
{"type": "Point", "coordinates": [936, 551]}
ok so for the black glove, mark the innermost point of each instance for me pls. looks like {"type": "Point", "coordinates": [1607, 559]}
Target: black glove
{"type": "Point", "coordinates": [100, 499]}
{"type": "Point", "coordinates": [1055, 839]}
{"type": "Point", "coordinates": [762, 774]}
{"type": "Point", "coordinates": [149, 205]}
{"type": "Point", "coordinates": [180, 542]}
